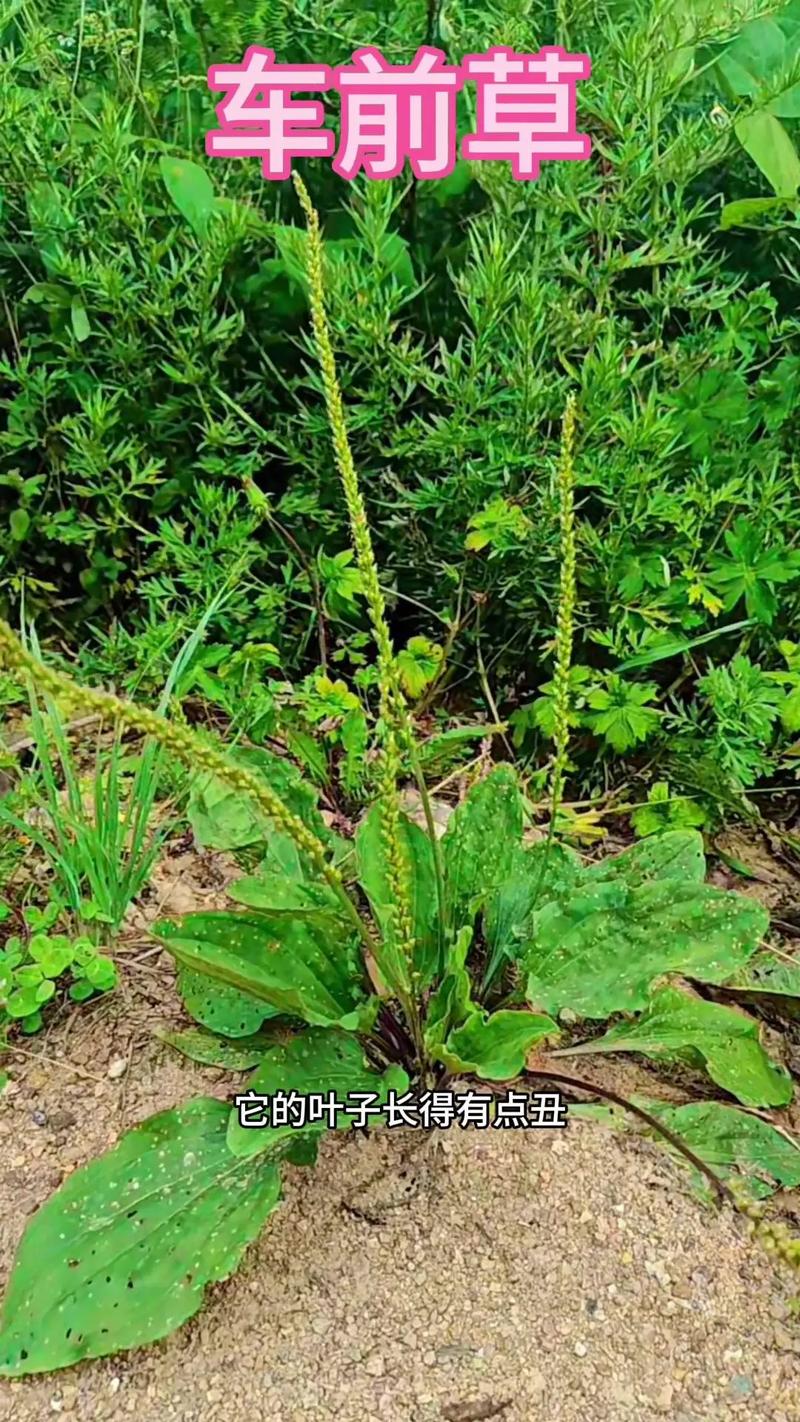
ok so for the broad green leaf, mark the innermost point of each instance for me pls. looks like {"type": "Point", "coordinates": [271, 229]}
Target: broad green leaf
{"type": "Point", "coordinates": [495, 1047]}
{"type": "Point", "coordinates": [545, 872]}
{"type": "Point", "coordinates": [313, 1063]}
{"type": "Point", "coordinates": [273, 893]}
{"type": "Point", "coordinates": [772, 980]}
{"type": "Point", "coordinates": [759, 65]}
{"type": "Point", "coordinates": [599, 953]}
{"type": "Point", "coordinates": [758, 52]}
{"type": "Point", "coordinates": [191, 190]}
{"type": "Point", "coordinates": [205, 1047]}
{"type": "Point", "coordinates": [223, 818]}
{"type": "Point", "coordinates": [745, 212]}
{"type": "Point", "coordinates": [220, 1008]}
{"type": "Point", "coordinates": [282, 856]}
{"type": "Point", "coordinates": [481, 841]}
{"type": "Point", "coordinates": [765, 139]}
{"type": "Point", "coordinates": [303, 968]}
{"type": "Point", "coordinates": [394, 256]}
{"type": "Point", "coordinates": [675, 1021]}
{"type": "Point", "coordinates": [675, 854]}
{"type": "Point", "coordinates": [457, 182]}
{"type": "Point", "coordinates": [292, 243]}
{"type": "Point", "coordinates": [48, 294]}
{"type": "Point", "coordinates": [505, 922]}
{"type": "Point", "coordinates": [372, 873]}
{"type": "Point", "coordinates": [121, 1255]}
{"type": "Point", "coordinates": [451, 1003]}
{"type": "Point", "coordinates": [733, 1143]}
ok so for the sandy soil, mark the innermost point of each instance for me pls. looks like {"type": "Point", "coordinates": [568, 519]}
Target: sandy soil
{"type": "Point", "coordinates": [551, 1276]}
{"type": "Point", "coordinates": [557, 1275]}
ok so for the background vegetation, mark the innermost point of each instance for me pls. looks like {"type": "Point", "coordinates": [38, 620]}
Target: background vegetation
{"type": "Point", "coordinates": [164, 433]}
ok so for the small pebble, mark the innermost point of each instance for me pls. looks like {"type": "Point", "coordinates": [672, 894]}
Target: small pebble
{"type": "Point", "coordinates": [740, 1386]}
{"type": "Point", "coordinates": [662, 1400]}
{"type": "Point", "coordinates": [537, 1381]}
{"type": "Point", "coordinates": [62, 1120]}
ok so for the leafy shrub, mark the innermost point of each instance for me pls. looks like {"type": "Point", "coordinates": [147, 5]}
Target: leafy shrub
{"type": "Point", "coordinates": [164, 426]}
{"type": "Point", "coordinates": [415, 962]}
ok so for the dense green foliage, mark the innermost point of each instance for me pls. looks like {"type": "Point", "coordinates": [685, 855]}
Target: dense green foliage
{"type": "Point", "coordinates": [164, 431]}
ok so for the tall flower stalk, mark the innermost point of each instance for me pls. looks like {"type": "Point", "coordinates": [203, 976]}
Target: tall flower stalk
{"type": "Point", "coordinates": [565, 488]}
{"type": "Point", "coordinates": [565, 617]}
{"type": "Point", "coordinates": [392, 710]}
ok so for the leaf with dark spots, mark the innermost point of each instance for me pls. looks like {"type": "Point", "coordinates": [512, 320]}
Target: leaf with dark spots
{"type": "Point", "coordinates": [304, 968]}
{"type": "Point", "coordinates": [598, 953]}
{"type": "Point", "coordinates": [122, 1254]}
{"type": "Point", "coordinates": [313, 1063]}
{"type": "Point", "coordinates": [221, 1009]}
{"type": "Point", "coordinates": [495, 1046]}
{"type": "Point", "coordinates": [676, 1022]}
{"type": "Point", "coordinates": [482, 841]}
{"type": "Point", "coordinates": [238, 1054]}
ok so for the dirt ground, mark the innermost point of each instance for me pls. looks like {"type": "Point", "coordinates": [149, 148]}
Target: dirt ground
{"type": "Point", "coordinates": [548, 1276]}
{"type": "Point", "coordinates": [553, 1275]}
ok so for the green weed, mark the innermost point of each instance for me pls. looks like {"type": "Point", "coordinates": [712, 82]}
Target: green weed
{"type": "Point", "coordinates": [403, 962]}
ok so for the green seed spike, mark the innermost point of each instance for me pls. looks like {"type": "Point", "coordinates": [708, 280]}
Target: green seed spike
{"type": "Point", "coordinates": [566, 602]}
{"type": "Point", "coordinates": [392, 704]}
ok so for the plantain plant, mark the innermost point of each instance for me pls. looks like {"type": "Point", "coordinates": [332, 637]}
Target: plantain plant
{"type": "Point", "coordinates": [400, 961]}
